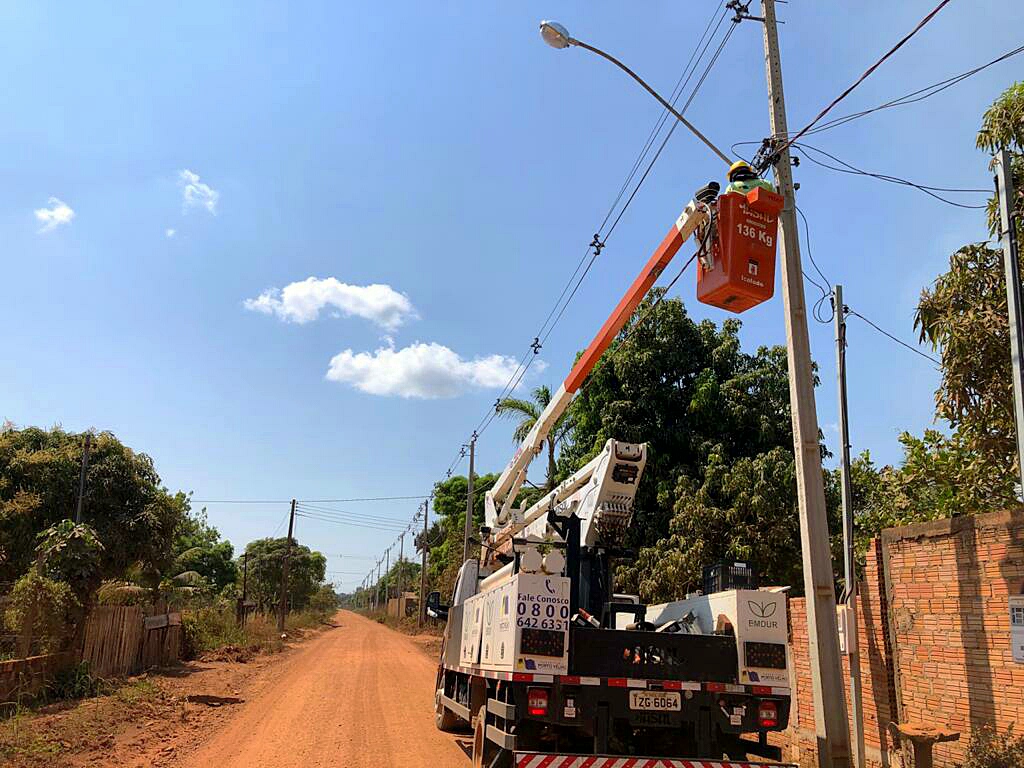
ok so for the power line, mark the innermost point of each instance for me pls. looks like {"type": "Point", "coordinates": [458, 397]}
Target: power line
{"type": "Point", "coordinates": [348, 523]}
{"type": "Point", "coordinates": [599, 242]}
{"type": "Point", "coordinates": [915, 96]}
{"type": "Point", "coordinates": [826, 290]}
{"type": "Point", "coordinates": [897, 340]}
{"type": "Point", "coordinates": [853, 170]}
{"type": "Point", "coordinates": [359, 515]}
{"type": "Point", "coordinates": [313, 501]}
{"type": "Point", "coordinates": [867, 73]}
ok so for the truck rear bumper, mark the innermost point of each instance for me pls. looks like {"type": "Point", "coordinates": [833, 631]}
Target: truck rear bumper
{"type": "Point", "coordinates": [548, 760]}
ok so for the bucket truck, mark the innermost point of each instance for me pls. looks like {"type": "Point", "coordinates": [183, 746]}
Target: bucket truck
{"type": "Point", "coordinates": [550, 666]}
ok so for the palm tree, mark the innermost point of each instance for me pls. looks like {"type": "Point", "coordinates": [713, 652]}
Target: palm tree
{"type": "Point", "coordinates": [528, 412]}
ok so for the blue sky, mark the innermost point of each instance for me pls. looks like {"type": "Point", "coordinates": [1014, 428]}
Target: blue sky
{"type": "Point", "coordinates": [440, 152]}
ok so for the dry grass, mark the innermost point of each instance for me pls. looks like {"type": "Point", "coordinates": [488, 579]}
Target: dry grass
{"type": "Point", "coordinates": [39, 736]}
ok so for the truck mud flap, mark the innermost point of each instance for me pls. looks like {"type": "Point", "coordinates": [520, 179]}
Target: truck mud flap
{"type": "Point", "coordinates": [548, 760]}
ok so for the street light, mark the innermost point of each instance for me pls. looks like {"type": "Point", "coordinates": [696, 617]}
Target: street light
{"type": "Point", "coordinates": [557, 36]}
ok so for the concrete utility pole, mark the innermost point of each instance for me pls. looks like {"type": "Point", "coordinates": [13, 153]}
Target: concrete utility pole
{"type": "Point", "coordinates": [81, 476]}
{"type": "Point", "coordinates": [423, 570]}
{"type": "Point", "coordinates": [1008, 238]}
{"type": "Point", "coordinates": [823, 636]}
{"type": "Point", "coordinates": [282, 606]}
{"type": "Point", "coordinates": [849, 566]}
{"type": "Point", "coordinates": [469, 500]}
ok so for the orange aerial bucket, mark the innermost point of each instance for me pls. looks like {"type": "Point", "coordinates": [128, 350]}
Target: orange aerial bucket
{"type": "Point", "coordinates": [740, 272]}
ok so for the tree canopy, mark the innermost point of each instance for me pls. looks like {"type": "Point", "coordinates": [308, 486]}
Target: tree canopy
{"type": "Point", "coordinates": [306, 571]}
{"type": "Point", "coordinates": [131, 513]}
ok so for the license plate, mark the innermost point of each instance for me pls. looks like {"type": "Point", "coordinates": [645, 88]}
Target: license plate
{"type": "Point", "coordinates": [655, 701]}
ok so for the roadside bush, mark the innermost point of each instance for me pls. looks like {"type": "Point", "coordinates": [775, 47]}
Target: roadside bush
{"type": "Point", "coordinates": [992, 749]}
{"type": "Point", "coordinates": [214, 627]}
{"type": "Point", "coordinates": [208, 628]}
{"type": "Point", "coordinates": [76, 683]}
{"type": "Point", "coordinates": [44, 603]}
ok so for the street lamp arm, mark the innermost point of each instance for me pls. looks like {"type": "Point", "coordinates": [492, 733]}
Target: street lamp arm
{"type": "Point", "coordinates": [672, 110]}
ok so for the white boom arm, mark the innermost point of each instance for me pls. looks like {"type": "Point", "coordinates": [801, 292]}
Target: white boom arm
{"type": "Point", "coordinates": [499, 499]}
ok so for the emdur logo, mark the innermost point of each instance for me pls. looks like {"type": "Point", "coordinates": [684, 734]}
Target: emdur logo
{"type": "Point", "coordinates": [764, 612]}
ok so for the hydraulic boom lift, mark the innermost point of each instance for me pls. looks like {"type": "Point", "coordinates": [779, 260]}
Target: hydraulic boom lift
{"type": "Point", "coordinates": [545, 662]}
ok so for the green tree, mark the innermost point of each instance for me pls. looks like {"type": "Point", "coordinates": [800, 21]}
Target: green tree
{"type": "Point", "coordinates": [688, 391]}
{"type": "Point", "coordinates": [527, 412]}
{"type": "Point", "coordinates": [306, 571]}
{"type": "Point", "coordinates": [198, 547]}
{"type": "Point", "coordinates": [963, 315]}
{"type": "Point", "coordinates": [40, 611]}
{"type": "Point", "coordinates": [133, 515]}
{"type": "Point", "coordinates": [445, 537]}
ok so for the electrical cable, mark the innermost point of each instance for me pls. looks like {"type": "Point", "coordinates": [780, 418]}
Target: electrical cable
{"type": "Point", "coordinates": [902, 343]}
{"type": "Point", "coordinates": [317, 501]}
{"type": "Point", "coordinates": [915, 96]}
{"type": "Point", "coordinates": [324, 519]}
{"type": "Point", "coordinates": [867, 73]}
{"type": "Point", "coordinates": [854, 171]}
{"type": "Point", "coordinates": [675, 125]}
{"type": "Point", "coordinates": [826, 290]}
{"type": "Point", "coordinates": [599, 242]}
{"type": "Point", "coordinates": [358, 515]}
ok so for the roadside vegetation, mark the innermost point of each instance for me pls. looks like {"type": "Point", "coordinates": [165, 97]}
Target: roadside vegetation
{"type": "Point", "coordinates": [138, 544]}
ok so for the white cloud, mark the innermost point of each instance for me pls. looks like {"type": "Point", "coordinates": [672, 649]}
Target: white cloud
{"type": "Point", "coordinates": [420, 370]}
{"type": "Point", "coordinates": [301, 302]}
{"type": "Point", "coordinates": [197, 194]}
{"type": "Point", "coordinates": [57, 214]}
{"type": "Point", "coordinates": [170, 232]}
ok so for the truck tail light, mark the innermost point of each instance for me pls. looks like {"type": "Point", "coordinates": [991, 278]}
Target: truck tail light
{"type": "Point", "coordinates": [768, 714]}
{"type": "Point", "coordinates": [537, 701]}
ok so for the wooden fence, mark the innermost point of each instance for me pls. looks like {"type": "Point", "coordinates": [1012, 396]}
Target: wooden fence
{"type": "Point", "coordinates": [124, 640]}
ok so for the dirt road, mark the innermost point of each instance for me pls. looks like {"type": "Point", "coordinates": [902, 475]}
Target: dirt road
{"type": "Point", "coordinates": [358, 696]}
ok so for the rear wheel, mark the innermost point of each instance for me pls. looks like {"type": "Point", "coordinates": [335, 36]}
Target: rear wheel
{"type": "Point", "coordinates": [482, 748]}
{"type": "Point", "coordinates": [445, 719]}
{"type": "Point", "coordinates": [487, 754]}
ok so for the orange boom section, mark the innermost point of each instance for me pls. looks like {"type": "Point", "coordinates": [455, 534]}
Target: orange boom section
{"type": "Point", "coordinates": [741, 272]}
{"type": "Point", "coordinates": [655, 266]}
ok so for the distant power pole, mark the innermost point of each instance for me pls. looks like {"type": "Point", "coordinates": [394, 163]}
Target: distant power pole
{"type": "Point", "coordinates": [830, 722]}
{"type": "Point", "coordinates": [283, 604]}
{"type": "Point", "coordinates": [81, 476]}
{"type": "Point", "coordinates": [849, 566]}
{"type": "Point", "coordinates": [423, 569]}
{"type": "Point", "coordinates": [387, 581]}
{"type": "Point", "coordinates": [469, 500]}
{"type": "Point", "coordinates": [1008, 237]}
{"type": "Point", "coordinates": [401, 552]}
{"type": "Point", "coordinates": [245, 584]}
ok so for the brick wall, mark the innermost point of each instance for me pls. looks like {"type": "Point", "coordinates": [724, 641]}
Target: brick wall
{"type": "Point", "coordinates": [934, 632]}
{"type": "Point", "coordinates": [949, 584]}
{"type": "Point", "coordinates": [23, 678]}
{"type": "Point", "coordinates": [877, 691]}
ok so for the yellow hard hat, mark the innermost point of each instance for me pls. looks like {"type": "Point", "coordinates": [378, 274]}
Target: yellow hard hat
{"type": "Point", "coordinates": [739, 165]}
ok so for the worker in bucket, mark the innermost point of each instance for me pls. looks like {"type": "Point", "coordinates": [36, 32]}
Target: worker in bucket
{"type": "Point", "coordinates": [742, 179]}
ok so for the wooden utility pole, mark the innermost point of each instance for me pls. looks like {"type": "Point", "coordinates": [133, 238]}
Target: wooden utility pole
{"type": "Point", "coordinates": [823, 636]}
{"type": "Point", "coordinates": [81, 476]}
{"type": "Point", "coordinates": [469, 500]}
{"type": "Point", "coordinates": [423, 569]}
{"type": "Point", "coordinates": [849, 566]}
{"type": "Point", "coordinates": [1008, 239]}
{"type": "Point", "coordinates": [282, 606]}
